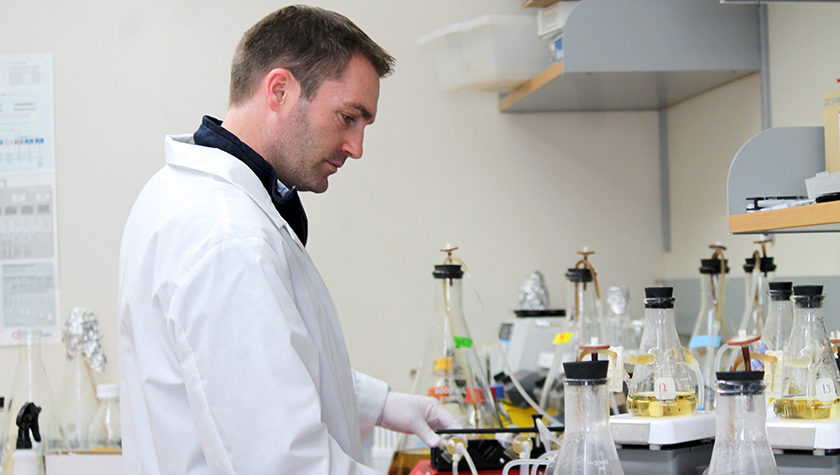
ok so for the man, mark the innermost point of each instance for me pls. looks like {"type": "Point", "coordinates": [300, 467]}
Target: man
{"type": "Point", "coordinates": [231, 355]}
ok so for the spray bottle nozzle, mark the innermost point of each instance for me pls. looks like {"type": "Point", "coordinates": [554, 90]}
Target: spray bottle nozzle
{"type": "Point", "coordinates": [27, 421]}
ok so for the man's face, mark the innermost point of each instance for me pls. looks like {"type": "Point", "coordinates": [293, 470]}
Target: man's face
{"type": "Point", "coordinates": [323, 132]}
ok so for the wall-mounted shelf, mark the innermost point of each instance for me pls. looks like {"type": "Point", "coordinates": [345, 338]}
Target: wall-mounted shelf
{"type": "Point", "coordinates": [641, 55]}
{"type": "Point", "coordinates": [820, 217]}
{"type": "Point", "coordinates": [538, 3]}
{"type": "Point", "coordinates": [776, 162]}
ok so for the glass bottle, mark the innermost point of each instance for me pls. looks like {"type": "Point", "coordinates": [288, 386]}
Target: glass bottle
{"type": "Point", "coordinates": [811, 378]}
{"type": "Point", "coordinates": [661, 384]}
{"type": "Point", "coordinates": [779, 316]}
{"type": "Point", "coordinates": [31, 385]}
{"type": "Point", "coordinates": [706, 337]}
{"type": "Point", "coordinates": [581, 307]}
{"type": "Point", "coordinates": [617, 328]}
{"type": "Point", "coordinates": [588, 446]}
{"type": "Point", "coordinates": [741, 446]}
{"type": "Point", "coordinates": [451, 370]}
{"type": "Point", "coordinates": [78, 402]}
{"type": "Point", "coordinates": [104, 430]}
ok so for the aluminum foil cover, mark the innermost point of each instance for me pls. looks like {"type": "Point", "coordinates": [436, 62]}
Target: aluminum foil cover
{"type": "Point", "coordinates": [618, 299]}
{"type": "Point", "coordinates": [82, 337]}
{"type": "Point", "coordinates": [532, 294]}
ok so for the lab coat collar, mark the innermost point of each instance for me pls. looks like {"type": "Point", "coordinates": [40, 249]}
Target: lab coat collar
{"type": "Point", "coordinates": [181, 151]}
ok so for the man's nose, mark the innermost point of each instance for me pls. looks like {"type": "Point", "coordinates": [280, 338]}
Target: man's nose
{"type": "Point", "coordinates": [353, 145]}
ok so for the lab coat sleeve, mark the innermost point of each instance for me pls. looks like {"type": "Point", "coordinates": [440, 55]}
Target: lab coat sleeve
{"type": "Point", "coordinates": [250, 366]}
{"type": "Point", "coordinates": [370, 398]}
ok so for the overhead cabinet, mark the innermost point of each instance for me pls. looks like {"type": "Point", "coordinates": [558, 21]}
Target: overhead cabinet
{"type": "Point", "coordinates": [642, 55]}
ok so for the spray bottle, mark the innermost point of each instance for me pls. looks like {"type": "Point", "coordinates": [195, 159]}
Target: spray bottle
{"type": "Point", "coordinates": [26, 460]}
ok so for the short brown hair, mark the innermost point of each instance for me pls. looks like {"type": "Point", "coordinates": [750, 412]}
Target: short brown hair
{"type": "Point", "coordinates": [313, 43]}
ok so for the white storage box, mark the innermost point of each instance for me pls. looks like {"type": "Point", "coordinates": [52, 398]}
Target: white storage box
{"type": "Point", "coordinates": [84, 463]}
{"type": "Point", "coordinates": [822, 183]}
{"type": "Point", "coordinates": [489, 53]}
{"type": "Point", "coordinates": [552, 19]}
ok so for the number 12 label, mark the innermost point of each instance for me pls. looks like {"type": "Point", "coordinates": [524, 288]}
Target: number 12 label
{"type": "Point", "coordinates": [664, 389]}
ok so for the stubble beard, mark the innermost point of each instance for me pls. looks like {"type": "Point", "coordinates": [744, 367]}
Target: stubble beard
{"type": "Point", "coordinates": [293, 151]}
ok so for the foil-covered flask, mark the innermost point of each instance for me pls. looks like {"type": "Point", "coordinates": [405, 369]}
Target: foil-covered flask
{"type": "Point", "coordinates": [533, 295]}
{"type": "Point", "coordinates": [81, 338]}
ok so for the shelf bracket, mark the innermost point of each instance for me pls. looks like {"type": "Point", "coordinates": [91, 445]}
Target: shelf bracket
{"type": "Point", "coordinates": [664, 180]}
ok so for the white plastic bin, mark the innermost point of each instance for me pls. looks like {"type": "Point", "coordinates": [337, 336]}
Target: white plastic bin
{"type": "Point", "coordinates": [552, 19]}
{"type": "Point", "coordinates": [489, 53]}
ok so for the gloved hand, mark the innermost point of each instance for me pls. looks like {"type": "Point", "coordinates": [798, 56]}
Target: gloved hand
{"type": "Point", "coordinates": [416, 415]}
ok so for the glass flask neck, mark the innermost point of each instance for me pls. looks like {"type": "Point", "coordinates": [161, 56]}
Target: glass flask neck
{"type": "Point", "coordinates": [29, 348]}
{"type": "Point", "coordinates": [659, 319]}
{"type": "Point", "coordinates": [451, 295]}
{"type": "Point", "coordinates": [779, 323]}
{"type": "Point", "coordinates": [808, 301]}
{"type": "Point", "coordinates": [740, 417]}
{"type": "Point", "coordinates": [581, 310]}
{"type": "Point", "coordinates": [806, 311]}
{"type": "Point", "coordinates": [709, 289]}
{"type": "Point", "coordinates": [586, 407]}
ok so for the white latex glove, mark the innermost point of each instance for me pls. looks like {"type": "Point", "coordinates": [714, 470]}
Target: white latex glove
{"type": "Point", "coordinates": [418, 415]}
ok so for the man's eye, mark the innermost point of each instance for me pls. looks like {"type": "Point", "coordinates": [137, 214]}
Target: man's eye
{"type": "Point", "coordinates": [348, 119]}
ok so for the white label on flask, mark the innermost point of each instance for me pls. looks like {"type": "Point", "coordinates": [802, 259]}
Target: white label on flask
{"type": "Point", "coordinates": [615, 373]}
{"type": "Point", "coordinates": [664, 389]}
{"type": "Point", "coordinates": [773, 374]}
{"type": "Point", "coordinates": [825, 390]}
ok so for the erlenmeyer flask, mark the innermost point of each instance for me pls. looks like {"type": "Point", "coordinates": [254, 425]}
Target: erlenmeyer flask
{"type": "Point", "coordinates": [581, 307]}
{"type": "Point", "coordinates": [779, 316]}
{"type": "Point", "coordinates": [588, 446]}
{"type": "Point", "coordinates": [741, 446]}
{"type": "Point", "coordinates": [708, 329]}
{"type": "Point", "coordinates": [811, 379]}
{"type": "Point", "coordinates": [31, 385]}
{"type": "Point", "coordinates": [451, 370]}
{"type": "Point", "coordinates": [756, 289]}
{"type": "Point", "coordinates": [661, 385]}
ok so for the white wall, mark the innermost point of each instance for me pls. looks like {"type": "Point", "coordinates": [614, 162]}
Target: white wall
{"type": "Point", "coordinates": [706, 132]}
{"type": "Point", "coordinates": [516, 192]}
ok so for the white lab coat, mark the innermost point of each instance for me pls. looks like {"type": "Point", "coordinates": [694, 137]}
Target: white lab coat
{"type": "Point", "coordinates": [232, 359]}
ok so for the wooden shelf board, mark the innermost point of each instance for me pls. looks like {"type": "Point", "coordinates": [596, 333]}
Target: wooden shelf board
{"type": "Point", "coordinates": [820, 217]}
{"type": "Point", "coordinates": [525, 89]}
{"type": "Point", "coordinates": [538, 3]}
{"type": "Point", "coordinates": [557, 90]}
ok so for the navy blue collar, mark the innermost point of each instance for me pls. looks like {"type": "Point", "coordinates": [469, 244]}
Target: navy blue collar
{"type": "Point", "coordinates": [212, 134]}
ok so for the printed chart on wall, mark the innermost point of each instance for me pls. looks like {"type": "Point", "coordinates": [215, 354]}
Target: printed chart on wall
{"type": "Point", "coordinates": [28, 241]}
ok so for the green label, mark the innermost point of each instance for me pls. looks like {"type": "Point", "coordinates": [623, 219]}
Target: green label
{"type": "Point", "coordinates": [463, 342]}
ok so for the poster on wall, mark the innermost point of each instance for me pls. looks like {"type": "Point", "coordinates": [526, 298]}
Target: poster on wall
{"type": "Point", "coordinates": [28, 240]}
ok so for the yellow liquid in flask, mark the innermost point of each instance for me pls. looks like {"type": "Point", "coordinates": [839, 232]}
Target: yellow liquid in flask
{"type": "Point", "coordinates": [806, 408]}
{"type": "Point", "coordinates": [646, 405]}
{"type": "Point", "coordinates": [405, 460]}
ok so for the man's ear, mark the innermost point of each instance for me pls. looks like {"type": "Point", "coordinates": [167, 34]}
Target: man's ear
{"type": "Point", "coordinates": [281, 89]}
